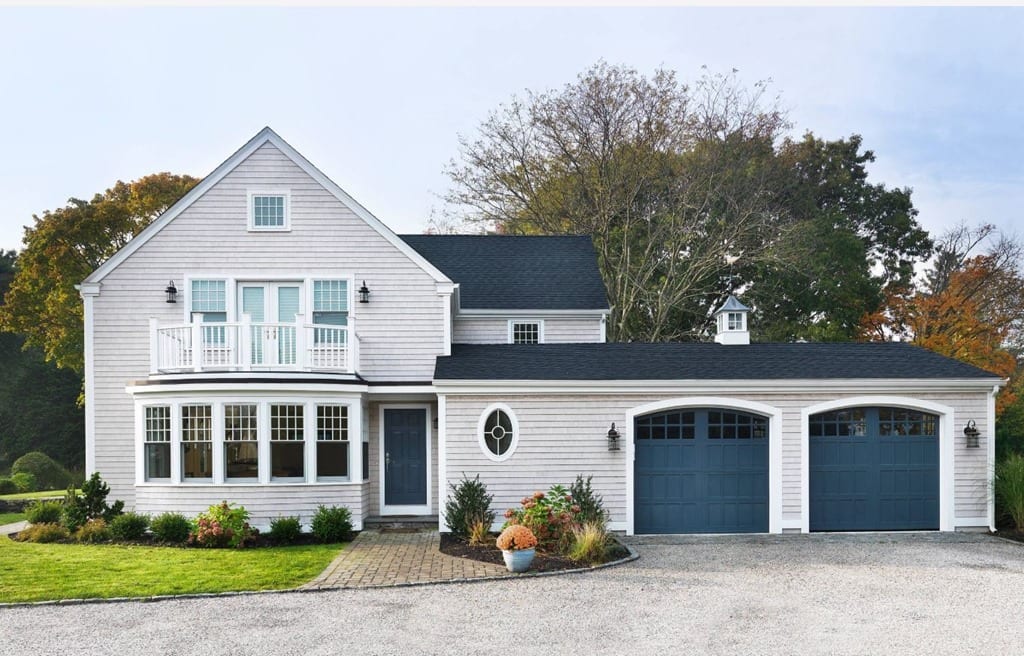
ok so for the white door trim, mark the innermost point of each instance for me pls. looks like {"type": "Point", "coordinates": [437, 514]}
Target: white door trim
{"type": "Point", "coordinates": [947, 519]}
{"type": "Point", "coordinates": [774, 447]}
{"type": "Point", "coordinates": [426, 509]}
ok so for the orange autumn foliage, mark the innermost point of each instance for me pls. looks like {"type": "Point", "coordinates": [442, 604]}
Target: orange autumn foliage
{"type": "Point", "coordinates": [969, 319]}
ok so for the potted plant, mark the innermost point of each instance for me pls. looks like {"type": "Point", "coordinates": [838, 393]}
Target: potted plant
{"type": "Point", "coordinates": [518, 545]}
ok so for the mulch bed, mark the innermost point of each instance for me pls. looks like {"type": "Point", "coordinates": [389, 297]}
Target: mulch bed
{"type": "Point", "coordinates": [1010, 534]}
{"type": "Point", "coordinates": [542, 562]}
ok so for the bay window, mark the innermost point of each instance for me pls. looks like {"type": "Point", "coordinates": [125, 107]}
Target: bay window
{"type": "Point", "coordinates": [196, 442]}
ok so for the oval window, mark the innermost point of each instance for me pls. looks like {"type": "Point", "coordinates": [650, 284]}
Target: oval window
{"type": "Point", "coordinates": [498, 432]}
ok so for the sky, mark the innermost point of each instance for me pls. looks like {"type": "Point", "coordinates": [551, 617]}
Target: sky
{"type": "Point", "coordinates": [376, 98]}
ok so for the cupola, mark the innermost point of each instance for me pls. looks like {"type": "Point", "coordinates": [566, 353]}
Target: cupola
{"type": "Point", "coordinates": [731, 321]}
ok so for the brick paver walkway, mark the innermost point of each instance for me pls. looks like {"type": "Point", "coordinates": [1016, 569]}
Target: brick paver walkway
{"type": "Point", "coordinates": [377, 558]}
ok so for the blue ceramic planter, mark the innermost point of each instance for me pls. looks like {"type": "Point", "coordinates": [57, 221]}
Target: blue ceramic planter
{"type": "Point", "coordinates": [518, 561]}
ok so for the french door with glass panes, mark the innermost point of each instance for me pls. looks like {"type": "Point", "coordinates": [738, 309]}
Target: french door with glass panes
{"type": "Point", "coordinates": [271, 307]}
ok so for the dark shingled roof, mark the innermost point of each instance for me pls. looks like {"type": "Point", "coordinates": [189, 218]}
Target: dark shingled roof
{"type": "Point", "coordinates": [697, 361]}
{"type": "Point", "coordinates": [517, 273]}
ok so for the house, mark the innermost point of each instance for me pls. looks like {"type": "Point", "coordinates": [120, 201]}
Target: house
{"type": "Point", "coordinates": [268, 341]}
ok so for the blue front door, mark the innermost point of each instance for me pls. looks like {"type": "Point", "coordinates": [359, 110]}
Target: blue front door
{"type": "Point", "coordinates": [701, 471]}
{"type": "Point", "coordinates": [874, 469]}
{"type": "Point", "coordinates": [405, 457]}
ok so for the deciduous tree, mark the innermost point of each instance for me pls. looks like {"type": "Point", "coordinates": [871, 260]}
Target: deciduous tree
{"type": "Point", "coordinates": [64, 246]}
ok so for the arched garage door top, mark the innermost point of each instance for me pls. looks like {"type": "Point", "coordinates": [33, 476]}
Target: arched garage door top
{"type": "Point", "coordinates": [701, 470]}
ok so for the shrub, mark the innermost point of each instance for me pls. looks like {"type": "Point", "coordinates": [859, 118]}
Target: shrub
{"type": "Point", "coordinates": [516, 537]}
{"type": "Point", "coordinates": [223, 525]}
{"type": "Point", "coordinates": [43, 512]}
{"type": "Point", "coordinates": [1009, 488]}
{"type": "Point", "coordinates": [44, 533]}
{"type": "Point", "coordinates": [91, 503]}
{"type": "Point", "coordinates": [25, 482]}
{"type": "Point", "coordinates": [285, 530]}
{"type": "Point", "coordinates": [468, 505]}
{"type": "Point", "coordinates": [94, 530]}
{"type": "Point", "coordinates": [589, 543]}
{"type": "Point", "coordinates": [129, 526]}
{"type": "Point", "coordinates": [49, 474]}
{"type": "Point", "coordinates": [332, 524]}
{"type": "Point", "coordinates": [7, 486]}
{"type": "Point", "coordinates": [172, 528]}
{"type": "Point", "coordinates": [550, 516]}
{"type": "Point", "coordinates": [591, 504]}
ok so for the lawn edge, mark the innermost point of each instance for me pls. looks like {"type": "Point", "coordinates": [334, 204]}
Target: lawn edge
{"type": "Point", "coordinates": [632, 555]}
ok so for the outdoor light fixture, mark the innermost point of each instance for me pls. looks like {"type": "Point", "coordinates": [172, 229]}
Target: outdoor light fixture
{"type": "Point", "coordinates": [172, 292]}
{"type": "Point", "coordinates": [972, 433]}
{"type": "Point", "coordinates": [364, 293]}
{"type": "Point", "coordinates": [613, 438]}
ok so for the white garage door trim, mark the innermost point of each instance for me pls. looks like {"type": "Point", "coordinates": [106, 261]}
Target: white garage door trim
{"type": "Point", "coordinates": [946, 422]}
{"type": "Point", "coordinates": [774, 416]}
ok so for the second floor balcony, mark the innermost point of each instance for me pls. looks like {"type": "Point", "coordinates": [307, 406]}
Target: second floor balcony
{"type": "Point", "coordinates": [245, 346]}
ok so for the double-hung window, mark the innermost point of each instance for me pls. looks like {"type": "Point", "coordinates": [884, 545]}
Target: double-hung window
{"type": "Point", "coordinates": [330, 308]}
{"type": "Point", "coordinates": [209, 305]}
{"type": "Point", "coordinates": [287, 441]}
{"type": "Point", "coordinates": [331, 442]}
{"type": "Point", "coordinates": [157, 444]}
{"type": "Point", "coordinates": [241, 442]}
{"type": "Point", "coordinates": [196, 442]}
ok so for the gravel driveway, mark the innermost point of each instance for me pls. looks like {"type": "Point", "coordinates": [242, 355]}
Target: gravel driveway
{"type": "Point", "coordinates": [848, 594]}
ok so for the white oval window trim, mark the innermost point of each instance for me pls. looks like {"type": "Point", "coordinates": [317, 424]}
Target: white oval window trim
{"type": "Point", "coordinates": [482, 423]}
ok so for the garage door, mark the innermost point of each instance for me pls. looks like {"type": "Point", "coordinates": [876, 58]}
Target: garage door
{"type": "Point", "coordinates": [874, 469]}
{"type": "Point", "coordinates": [701, 471]}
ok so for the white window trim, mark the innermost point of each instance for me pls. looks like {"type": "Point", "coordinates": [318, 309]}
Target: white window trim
{"type": "Point", "coordinates": [250, 215]}
{"type": "Point", "coordinates": [480, 432]}
{"type": "Point", "coordinates": [356, 422]}
{"type": "Point", "coordinates": [180, 475]}
{"type": "Point", "coordinates": [311, 466]}
{"type": "Point", "coordinates": [540, 328]}
{"type": "Point", "coordinates": [143, 442]}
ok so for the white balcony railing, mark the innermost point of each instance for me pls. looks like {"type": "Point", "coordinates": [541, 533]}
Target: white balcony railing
{"type": "Point", "coordinates": [246, 346]}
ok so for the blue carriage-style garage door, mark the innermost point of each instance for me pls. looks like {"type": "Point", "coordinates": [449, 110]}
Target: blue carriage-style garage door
{"type": "Point", "coordinates": [874, 469]}
{"type": "Point", "coordinates": [701, 471]}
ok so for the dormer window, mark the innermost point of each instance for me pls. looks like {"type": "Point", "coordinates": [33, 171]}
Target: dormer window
{"type": "Point", "coordinates": [525, 332]}
{"type": "Point", "coordinates": [269, 211]}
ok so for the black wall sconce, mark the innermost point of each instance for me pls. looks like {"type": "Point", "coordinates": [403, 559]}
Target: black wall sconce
{"type": "Point", "coordinates": [613, 438]}
{"type": "Point", "coordinates": [364, 293]}
{"type": "Point", "coordinates": [172, 292]}
{"type": "Point", "coordinates": [972, 433]}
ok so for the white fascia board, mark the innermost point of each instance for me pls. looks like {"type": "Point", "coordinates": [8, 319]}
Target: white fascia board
{"type": "Point", "coordinates": [266, 135]}
{"type": "Point", "coordinates": [488, 312]}
{"type": "Point", "coordinates": [731, 386]}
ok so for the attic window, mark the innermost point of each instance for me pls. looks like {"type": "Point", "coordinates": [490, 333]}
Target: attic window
{"type": "Point", "coordinates": [269, 211]}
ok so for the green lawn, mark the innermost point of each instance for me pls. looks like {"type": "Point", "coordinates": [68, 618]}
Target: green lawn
{"type": "Point", "coordinates": [36, 572]}
{"type": "Point", "coordinates": [55, 494]}
{"type": "Point", "coordinates": [10, 518]}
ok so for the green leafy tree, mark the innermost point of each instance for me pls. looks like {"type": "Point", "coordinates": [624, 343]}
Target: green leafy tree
{"type": "Point", "coordinates": [849, 243]}
{"type": "Point", "coordinates": [63, 247]}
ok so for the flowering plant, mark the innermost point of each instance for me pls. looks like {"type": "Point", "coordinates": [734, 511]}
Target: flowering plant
{"type": "Point", "coordinates": [223, 525]}
{"type": "Point", "coordinates": [515, 538]}
{"type": "Point", "coordinates": [550, 516]}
